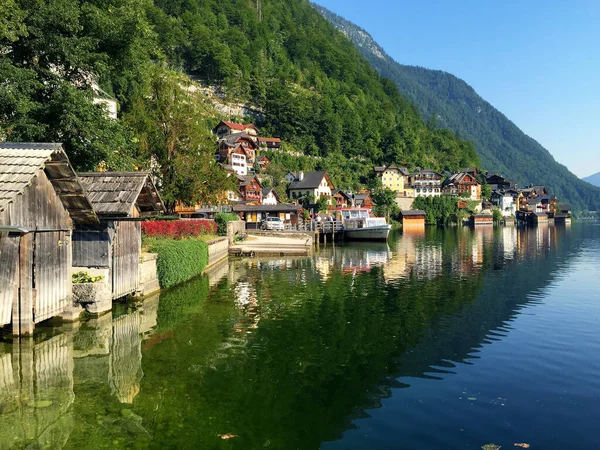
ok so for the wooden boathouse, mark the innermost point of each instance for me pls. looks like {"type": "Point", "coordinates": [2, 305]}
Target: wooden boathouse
{"type": "Point", "coordinates": [41, 199]}
{"type": "Point", "coordinates": [412, 218]}
{"type": "Point", "coordinates": [121, 200]}
{"type": "Point", "coordinates": [482, 219]}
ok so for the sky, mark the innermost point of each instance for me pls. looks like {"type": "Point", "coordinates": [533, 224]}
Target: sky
{"type": "Point", "coordinates": [538, 62]}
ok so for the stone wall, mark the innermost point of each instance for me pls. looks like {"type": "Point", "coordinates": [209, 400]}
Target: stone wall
{"type": "Point", "coordinates": [148, 278]}
{"type": "Point", "coordinates": [405, 202]}
{"type": "Point", "coordinates": [218, 249]}
{"type": "Point", "coordinates": [235, 227]}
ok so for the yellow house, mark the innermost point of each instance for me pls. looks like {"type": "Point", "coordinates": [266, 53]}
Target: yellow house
{"type": "Point", "coordinates": [392, 177]}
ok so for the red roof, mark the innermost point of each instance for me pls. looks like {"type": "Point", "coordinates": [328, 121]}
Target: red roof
{"type": "Point", "coordinates": [237, 126]}
{"type": "Point", "coordinates": [266, 139]}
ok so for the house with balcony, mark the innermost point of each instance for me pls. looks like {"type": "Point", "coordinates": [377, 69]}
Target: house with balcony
{"type": "Point", "coordinates": [505, 201]}
{"type": "Point", "coordinates": [426, 183]}
{"type": "Point", "coordinates": [250, 189]}
{"type": "Point", "coordinates": [269, 143]}
{"type": "Point", "coordinates": [461, 183]}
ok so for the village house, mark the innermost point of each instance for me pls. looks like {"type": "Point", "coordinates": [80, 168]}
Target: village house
{"type": "Point", "coordinates": [250, 189]}
{"type": "Point", "coordinates": [499, 183]}
{"type": "Point", "coordinates": [394, 178]}
{"type": "Point", "coordinates": [460, 183]}
{"type": "Point", "coordinates": [315, 184]}
{"type": "Point", "coordinates": [506, 201]}
{"type": "Point", "coordinates": [268, 143]}
{"type": "Point", "coordinates": [120, 200]}
{"type": "Point", "coordinates": [363, 200]}
{"type": "Point", "coordinates": [270, 197]}
{"type": "Point", "coordinates": [225, 128]}
{"type": "Point", "coordinates": [253, 215]}
{"type": "Point", "coordinates": [342, 199]}
{"type": "Point", "coordinates": [264, 162]}
{"type": "Point", "coordinates": [41, 199]}
{"type": "Point", "coordinates": [238, 143]}
{"type": "Point", "coordinates": [426, 183]}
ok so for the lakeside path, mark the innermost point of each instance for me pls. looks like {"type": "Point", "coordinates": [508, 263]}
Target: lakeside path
{"type": "Point", "coordinates": [294, 244]}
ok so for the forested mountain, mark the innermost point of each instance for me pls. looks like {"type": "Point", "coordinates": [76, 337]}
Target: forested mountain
{"type": "Point", "coordinates": [593, 179]}
{"type": "Point", "coordinates": [452, 103]}
{"type": "Point", "coordinates": [313, 88]}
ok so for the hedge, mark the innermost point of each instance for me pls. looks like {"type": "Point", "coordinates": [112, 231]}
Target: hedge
{"type": "Point", "coordinates": [178, 260]}
{"type": "Point", "coordinates": [222, 219]}
{"type": "Point", "coordinates": [178, 229]}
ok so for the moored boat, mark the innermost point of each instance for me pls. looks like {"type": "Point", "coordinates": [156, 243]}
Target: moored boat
{"type": "Point", "coordinates": [359, 225]}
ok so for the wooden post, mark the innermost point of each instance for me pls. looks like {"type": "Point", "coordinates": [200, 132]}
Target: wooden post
{"type": "Point", "coordinates": [22, 314]}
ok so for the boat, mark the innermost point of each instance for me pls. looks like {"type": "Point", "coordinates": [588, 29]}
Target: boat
{"type": "Point", "coordinates": [359, 224]}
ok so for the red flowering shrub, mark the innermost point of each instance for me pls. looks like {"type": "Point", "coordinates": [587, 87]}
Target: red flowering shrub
{"type": "Point", "coordinates": [178, 229]}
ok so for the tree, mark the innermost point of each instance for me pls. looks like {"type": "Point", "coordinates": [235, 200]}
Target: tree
{"type": "Point", "coordinates": [486, 191]}
{"type": "Point", "coordinates": [322, 203]}
{"type": "Point", "coordinates": [171, 123]}
{"type": "Point", "coordinates": [385, 203]}
{"type": "Point", "coordinates": [497, 215]}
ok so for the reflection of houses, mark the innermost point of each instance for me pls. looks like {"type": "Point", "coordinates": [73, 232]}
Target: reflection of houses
{"type": "Point", "coordinates": [255, 214]}
{"type": "Point", "coordinates": [315, 184]}
{"type": "Point", "coordinates": [461, 183]}
{"type": "Point", "coordinates": [427, 183]}
{"type": "Point", "coordinates": [126, 357]}
{"type": "Point", "coordinates": [40, 199]}
{"type": "Point", "coordinates": [120, 199]}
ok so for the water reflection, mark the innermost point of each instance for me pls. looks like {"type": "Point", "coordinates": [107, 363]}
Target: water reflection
{"type": "Point", "coordinates": [280, 352]}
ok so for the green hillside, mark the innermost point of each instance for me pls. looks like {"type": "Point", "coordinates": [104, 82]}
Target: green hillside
{"type": "Point", "coordinates": [501, 145]}
{"type": "Point", "coordinates": [312, 87]}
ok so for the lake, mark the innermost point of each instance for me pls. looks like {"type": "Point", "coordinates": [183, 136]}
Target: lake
{"type": "Point", "coordinates": [447, 339]}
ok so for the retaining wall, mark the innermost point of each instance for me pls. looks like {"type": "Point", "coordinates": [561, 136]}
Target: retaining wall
{"type": "Point", "coordinates": [147, 275]}
{"type": "Point", "coordinates": [235, 227]}
{"type": "Point", "coordinates": [218, 249]}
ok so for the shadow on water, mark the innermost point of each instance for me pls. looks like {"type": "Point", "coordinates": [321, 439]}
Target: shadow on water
{"type": "Point", "coordinates": [276, 353]}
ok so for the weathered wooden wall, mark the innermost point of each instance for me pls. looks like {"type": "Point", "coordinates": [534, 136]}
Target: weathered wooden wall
{"type": "Point", "coordinates": [44, 255]}
{"type": "Point", "coordinates": [92, 246]}
{"type": "Point", "coordinates": [126, 258]}
{"type": "Point", "coordinates": [9, 259]}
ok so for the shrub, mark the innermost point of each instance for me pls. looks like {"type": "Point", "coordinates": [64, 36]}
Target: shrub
{"type": "Point", "coordinates": [221, 219]}
{"type": "Point", "coordinates": [178, 229]}
{"type": "Point", "coordinates": [84, 277]}
{"type": "Point", "coordinates": [178, 260]}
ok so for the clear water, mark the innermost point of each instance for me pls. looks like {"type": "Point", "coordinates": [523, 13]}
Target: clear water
{"type": "Point", "coordinates": [451, 339]}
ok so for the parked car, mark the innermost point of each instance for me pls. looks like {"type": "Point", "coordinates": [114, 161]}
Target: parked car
{"type": "Point", "coordinates": [273, 223]}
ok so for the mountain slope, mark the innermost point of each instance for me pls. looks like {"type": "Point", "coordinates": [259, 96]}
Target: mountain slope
{"type": "Point", "coordinates": [593, 179]}
{"type": "Point", "coordinates": [501, 145]}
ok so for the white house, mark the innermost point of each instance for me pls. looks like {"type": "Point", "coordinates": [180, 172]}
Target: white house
{"type": "Point", "coordinates": [269, 197]}
{"type": "Point", "coordinates": [317, 184]}
{"type": "Point", "coordinates": [239, 164]}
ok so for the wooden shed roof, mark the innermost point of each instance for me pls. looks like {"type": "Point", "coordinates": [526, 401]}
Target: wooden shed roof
{"type": "Point", "coordinates": [115, 193]}
{"type": "Point", "coordinates": [19, 165]}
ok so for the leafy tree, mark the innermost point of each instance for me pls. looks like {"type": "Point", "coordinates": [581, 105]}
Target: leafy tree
{"type": "Point", "coordinates": [173, 134]}
{"type": "Point", "coordinates": [385, 203]}
{"type": "Point", "coordinates": [322, 203]}
{"type": "Point", "coordinates": [486, 191]}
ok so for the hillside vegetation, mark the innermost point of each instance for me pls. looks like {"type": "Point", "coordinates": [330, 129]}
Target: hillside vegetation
{"type": "Point", "coordinates": [313, 88]}
{"type": "Point", "coordinates": [452, 103]}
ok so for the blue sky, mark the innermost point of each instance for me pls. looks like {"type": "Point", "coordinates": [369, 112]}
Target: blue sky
{"type": "Point", "coordinates": [538, 62]}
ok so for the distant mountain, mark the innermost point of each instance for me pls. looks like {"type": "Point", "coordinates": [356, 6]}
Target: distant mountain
{"type": "Point", "coordinates": [593, 179]}
{"type": "Point", "coordinates": [448, 101]}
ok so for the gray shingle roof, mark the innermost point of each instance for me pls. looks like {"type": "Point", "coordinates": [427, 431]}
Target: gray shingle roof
{"type": "Point", "coordinates": [311, 180]}
{"type": "Point", "coordinates": [20, 163]}
{"type": "Point", "coordinates": [115, 193]}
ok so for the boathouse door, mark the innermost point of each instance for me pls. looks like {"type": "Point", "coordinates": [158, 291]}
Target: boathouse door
{"type": "Point", "coordinates": [52, 273]}
{"type": "Point", "coordinates": [125, 255]}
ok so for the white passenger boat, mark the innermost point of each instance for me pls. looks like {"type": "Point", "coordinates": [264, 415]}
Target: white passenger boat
{"type": "Point", "coordinates": [360, 225]}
